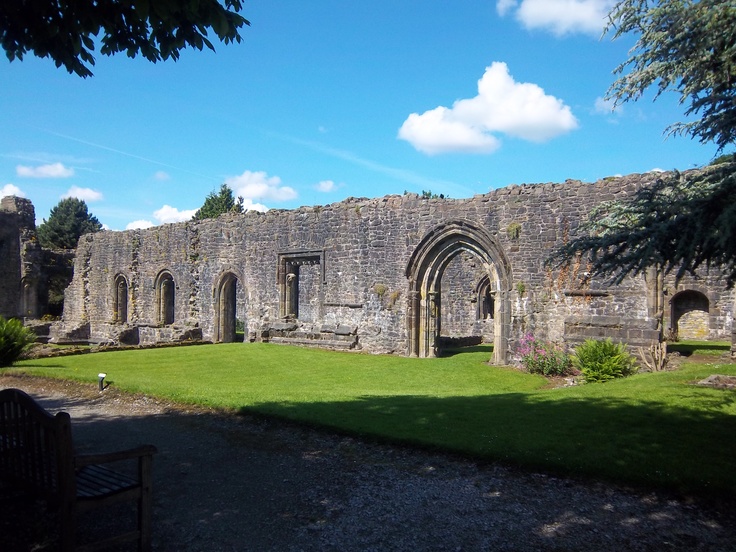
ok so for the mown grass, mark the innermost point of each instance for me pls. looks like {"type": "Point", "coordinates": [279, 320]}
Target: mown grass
{"type": "Point", "coordinates": [708, 348]}
{"type": "Point", "coordinates": [654, 429]}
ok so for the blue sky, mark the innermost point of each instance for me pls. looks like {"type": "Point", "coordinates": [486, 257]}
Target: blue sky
{"type": "Point", "coordinates": [329, 99]}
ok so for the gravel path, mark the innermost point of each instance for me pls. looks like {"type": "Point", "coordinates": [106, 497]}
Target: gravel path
{"type": "Point", "coordinates": [233, 483]}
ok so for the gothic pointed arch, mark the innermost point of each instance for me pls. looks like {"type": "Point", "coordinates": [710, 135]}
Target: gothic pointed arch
{"type": "Point", "coordinates": [424, 272]}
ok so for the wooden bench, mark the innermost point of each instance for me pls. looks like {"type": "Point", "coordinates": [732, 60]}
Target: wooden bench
{"type": "Point", "coordinates": [37, 455]}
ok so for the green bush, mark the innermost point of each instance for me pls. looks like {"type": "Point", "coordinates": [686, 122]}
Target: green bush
{"type": "Point", "coordinates": [14, 339]}
{"type": "Point", "coordinates": [542, 357]}
{"type": "Point", "coordinates": [601, 361]}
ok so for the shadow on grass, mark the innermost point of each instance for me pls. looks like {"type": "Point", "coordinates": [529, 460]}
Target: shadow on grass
{"type": "Point", "coordinates": [452, 351]}
{"type": "Point", "coordinates": [687, 349]}
{"type": "Point", "coordinates": [646, 443]}
{"type": "Point", "coordinates": [221, 481]}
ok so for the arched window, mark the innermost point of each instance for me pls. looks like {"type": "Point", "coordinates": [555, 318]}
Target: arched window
{"type": "Point", "coordinates": [120, 300]}
{"type": "Point", "coordinates": [165, 298]}
{"type": "Point", "coordinates": [484, 300]}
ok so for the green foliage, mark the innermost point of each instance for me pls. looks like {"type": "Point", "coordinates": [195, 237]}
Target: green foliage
{"type": "Point", "coordinates": [686, 46]}
{"type": "Point", "coordinates": [680, 223]}
{"type": "Point", "coordinates": [601, 361]}
{"type": "Point", "coordinates": [684, 221]}
{"type": "Point", "coordinates": [216, 204]}
{"type": "Point", "coordinates": [427, 194]}
{"type": "Point", "coordinates": [14, 339]}
{"type": "Point", "coordinates": [155, 29]}
{"type": "Point", "coordinates": [67, 222]}
{"type": "Point", "coordinates": [513, 231]}
{"type": "Point", "coordinates": [725, 158]}
{"type": "Point", "coordinates": [380, 289]}
{"type": "Point", "coordinates": [542, 357]}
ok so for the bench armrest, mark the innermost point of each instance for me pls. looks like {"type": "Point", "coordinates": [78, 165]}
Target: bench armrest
{"type": "Point", "coordinates": [105, 458]}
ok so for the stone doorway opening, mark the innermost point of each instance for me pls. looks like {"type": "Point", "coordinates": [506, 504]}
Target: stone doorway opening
{"type": "Point", "coordinates": [459, 253]}
{"type": "Point", "coordinates": [691, 315]}
{"type": "Point", "coordinates": [230, 325]}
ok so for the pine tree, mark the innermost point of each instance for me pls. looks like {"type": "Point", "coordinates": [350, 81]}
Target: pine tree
{"type": "Point", "coordinates": [216, 204]}
{"type": "Point", "coordinates": [67, 222]}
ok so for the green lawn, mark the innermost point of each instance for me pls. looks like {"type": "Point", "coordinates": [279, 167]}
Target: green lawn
{"type": "Point", "coordinates": [654, 429]}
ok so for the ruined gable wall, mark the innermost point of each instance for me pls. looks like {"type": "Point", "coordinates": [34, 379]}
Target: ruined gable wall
{"type": "Point", "coordinates": [20, 259]}
{"type": "Point", "coordinates": [364, 247]}
{"type": "Point", "coordinates": [10, 265]}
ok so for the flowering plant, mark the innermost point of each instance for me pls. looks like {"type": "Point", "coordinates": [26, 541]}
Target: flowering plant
{"type": "Point", "coordinates": [543, 357]}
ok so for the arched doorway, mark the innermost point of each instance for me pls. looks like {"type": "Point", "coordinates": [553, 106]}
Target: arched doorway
{"type": "Point", "coordinates": [226, 309]}
{"type": "Point", "coordinates": [425, 270]}
{"type": "Point", "coordinates": [120, 300]}
{"type": "Point", "coordinates": [165, 300]}
{"type": "Point", "coordinates": [691, 315]}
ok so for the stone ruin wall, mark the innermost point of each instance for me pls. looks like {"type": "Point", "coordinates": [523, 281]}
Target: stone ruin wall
{"type": "Point", "coordinates": [351, 258]}
{"type": "Point", "coordinates": [21, 279]}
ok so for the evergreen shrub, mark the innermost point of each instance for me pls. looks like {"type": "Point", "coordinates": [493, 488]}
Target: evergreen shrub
{"type": "Point", "coordinates": [601, 361]}
{"type": "Point", "coordinates": [14, 339]}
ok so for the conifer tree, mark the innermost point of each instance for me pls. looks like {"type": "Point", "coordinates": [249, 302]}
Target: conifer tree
{"type": "Point", "coordinates": [685, 221]}
{"type": "Point", "coordinates": [216, 204]}
{"type": "Point", "coordinates": [67, 222]}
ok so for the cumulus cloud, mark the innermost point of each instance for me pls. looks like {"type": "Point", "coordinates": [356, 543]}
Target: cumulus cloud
{"type": "Point", "coordinates": [520, 110]}
{"type": "Point", "coordinates": [161, 175]}
{"type": "Point", "coordinates": [85, 194]}
{"type": "Point", "coordinates": [325, 186]}
{"type": "Point", "coordinates": [53, 170]}
{"type": "Point", "coordinates": [139, 224]}
{"type": "Point", "coordinates": [167, 214]}
{"type": "Point", "coordinates": [560, 17]}
{"type": "Point", "coordinates": [11, 190]}
{"type": "Point", "coordinates": [248, 205]}
{"type": "Point", "coordinates": [259, 186]}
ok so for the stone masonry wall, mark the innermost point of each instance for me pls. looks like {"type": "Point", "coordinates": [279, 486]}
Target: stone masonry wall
{"type": "Point", "coordinates": [20, 259]}
{"type": "Point", "coordinates": [343, 267]}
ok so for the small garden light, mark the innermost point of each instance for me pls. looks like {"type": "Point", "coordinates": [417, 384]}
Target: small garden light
{"type": "Point", "coordinates": [102, 377]}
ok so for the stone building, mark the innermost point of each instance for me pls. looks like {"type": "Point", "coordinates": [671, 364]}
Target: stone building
{"type": "Point", "coordinates": [22, 285]}
{"type": "Point", "coordinates": [398, 274]}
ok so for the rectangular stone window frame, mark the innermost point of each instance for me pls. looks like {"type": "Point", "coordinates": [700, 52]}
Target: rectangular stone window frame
{"type": "Point", "coordinates": [287, 279]}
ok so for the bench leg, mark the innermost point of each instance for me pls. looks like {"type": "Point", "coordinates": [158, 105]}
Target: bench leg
{"type": "Point", "coordinates": [145, 505]}
{"type": "Point", "coordinates": [68, 526]}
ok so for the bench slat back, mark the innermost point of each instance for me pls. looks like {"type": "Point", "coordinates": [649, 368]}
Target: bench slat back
{"type": "Point", "coordinates": [35, 448]}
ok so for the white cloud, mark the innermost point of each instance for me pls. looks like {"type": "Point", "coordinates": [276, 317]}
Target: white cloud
{"type": "Point", "coordinates": [139, 224]}
{"type": "Point", "coordinates": [504, 6]}
{"type": "Point", "coordinates": [11, 190]}
{"type": "Point", "coordinates": [521, 110]}
{"type": "Point", "coordinates": [258, 185]}
{"type": "Point", "coordinates": [325, 186]}
{"type": "Point", "coordinates": [85, 194]}
{"type": "Point", "coordinates": [54, 170]}
{"type": "Point", "coordinates": [607, 107]}
{"type": "Point", "coordinates": [560, 17]}
{"type": "Point", "coordinates": [167, 214]}
{"type": "Point", "coordinates": [248, 205]}
{"type": "Point", "coordinates": [161, 175]}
